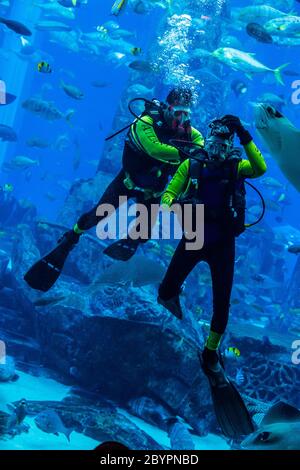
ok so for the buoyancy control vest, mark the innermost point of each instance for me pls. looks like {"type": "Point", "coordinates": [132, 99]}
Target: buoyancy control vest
{"type": "Point", "coordinates": [144, 170]}
{"type": "Point", "coordinates": [216, 184]}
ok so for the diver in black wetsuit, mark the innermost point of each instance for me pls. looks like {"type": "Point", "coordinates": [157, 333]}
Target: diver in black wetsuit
{"type": "Point", "coordinates": [216, 180]}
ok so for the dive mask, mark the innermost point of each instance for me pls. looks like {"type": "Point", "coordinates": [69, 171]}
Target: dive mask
{"type": "Point", "coordinates": [177, 116]}
{"type": "Point", "coordinates": [219, 141]}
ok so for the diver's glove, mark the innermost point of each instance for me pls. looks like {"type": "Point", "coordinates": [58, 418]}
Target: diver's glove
{"type": "Point", "coordinates": [234, 125]}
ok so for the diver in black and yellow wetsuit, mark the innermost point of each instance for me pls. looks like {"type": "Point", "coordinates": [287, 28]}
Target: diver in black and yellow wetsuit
{"type": "Point", "coordinates": [215, 180]}
{"type": "Point", "coordinates": [147, 164]}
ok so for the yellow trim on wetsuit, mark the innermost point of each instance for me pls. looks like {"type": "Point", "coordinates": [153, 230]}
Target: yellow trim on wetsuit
{"type": "Point", "coordinates": [146, 139]}
{"type": "Point", "coordinates": [252, 168]}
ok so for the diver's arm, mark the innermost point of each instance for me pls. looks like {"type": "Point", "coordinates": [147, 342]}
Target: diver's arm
{"type": "Point", "coordinates": [255, 166]}
{"type": "Point", "coordinates": [197, 137]}
{"type": "Point", "coordinates": [177, 184]}
{"type": "Point", "coordinates": [151, 144]}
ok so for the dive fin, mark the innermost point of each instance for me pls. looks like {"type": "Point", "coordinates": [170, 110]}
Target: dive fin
{"type": "Point", "coordinates": [45, 272]}
{"type": "Point", "coordinates": [278, 71]}
{"type": "Point", "coordinates": [231, 412]}
{"type": "Point", "coordinates": [122, 250]}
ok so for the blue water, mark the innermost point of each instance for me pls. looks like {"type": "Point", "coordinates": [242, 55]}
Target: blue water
{"type": "Point", "coordinates": [103, 111]}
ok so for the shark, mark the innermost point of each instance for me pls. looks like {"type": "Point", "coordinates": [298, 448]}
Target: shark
{"type": "Point", "coordinates": [281, 138]}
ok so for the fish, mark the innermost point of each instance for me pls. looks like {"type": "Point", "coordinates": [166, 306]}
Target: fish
{"type": "Point", "coordinates": [258, 32]}
{"type": "Point", "coordinates": [279, 430]}
{"type": "Point", "coordinates": [44, 67]}
{"type": "Point", "coordinates": [72, 3]}
{"type": "Point", "coordinates": [7, 134]}
{"type": "Point", "coordinates": [72, 91]}
{"type": "Point", "coordinates": [295, 249]}
{"type": "Point", "coordinates": [136, 51]}
{"type": "Point", "coordinates": [121, 34]}
{"type": "Point", "coordinates": [271, 98]}
{"type": "Point", "coordinates": [45, 25]}
{"type": "Point", "coordinates": [20, 163]}
{"type": "Point", "coordinates": [16, 26]}
{"type": "Point", "coordinates": [232, 352]}
{"type": "Point", "coordinates": [258, 13]}
{"type": "Point", "coordinates": [56, 9]}
{"type": "Point", "coordinates": [118, 6]}
{"type": "Point", "coordinates": [62, 142]}
{"type": "Point", "coordinates": [50, 422]}
{"type": "Point", "coordinates": [50, 300]}
{"type": "Point", "coordinates": [8, 188]}
{"type": "Point", "coordinates": [141, 66]}
{"type": "Point", "coordinates": [285, 26]}
{"type": "Point", "coordinates": [141, 7]}
{"type": "Point", "coordinates": [245, 62]}
{"type": "Point", "coordinates": [272, 183]}
{"type": "Point", "coordinates": [281, 138]}
{"type": "Point", "coordinates": [46, 109]}
{"type": "Point", "coordinates": [139, 271]}
{"type": "Point", "coordinates": [19, 411]}
{"type": "Point", "coordinates": [38, 143]}
{"type": "Point", "coordinates": [139, 90]}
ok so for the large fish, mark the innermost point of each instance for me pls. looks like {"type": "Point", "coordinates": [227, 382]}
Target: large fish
{"type": "Point", "coordinates": [286, 26]}
{"type": "Point", "coordinates": [7, 134]}
{"type": "Point", "coordinates": [46, 109]}
{"type": "Point", "coordinates": [16, 26]}
{"type": "Point", "coordinates": [45, 25]}
{"type": "Point", "coordinates": [139, 271]}
{"type": "Point", "coordinates": [257, 13]}
{"type": "Point", "coordinates": [54, 9]}
{"type": "Point", "coordinates": [245, 62]}
{"type": "Point", "coordinates": [279, 430]}
{"type": "Point", "coordinates": [49, 421]}
{"type": "Point", "coordinates": [282, 139]}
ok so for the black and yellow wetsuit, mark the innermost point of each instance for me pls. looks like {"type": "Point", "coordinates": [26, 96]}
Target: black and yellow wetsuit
{"type": "Point", "coordinates": [148, 162]}
{"type": "Point", "coordinates": [219, 244]}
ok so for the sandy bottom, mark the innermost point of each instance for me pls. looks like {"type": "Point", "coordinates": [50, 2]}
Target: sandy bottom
{"type": "Point", "coordinates": [39, 388]}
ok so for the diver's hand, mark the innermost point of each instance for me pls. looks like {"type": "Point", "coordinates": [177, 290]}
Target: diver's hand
{"type": "Point", "coordinates": [235, 126]}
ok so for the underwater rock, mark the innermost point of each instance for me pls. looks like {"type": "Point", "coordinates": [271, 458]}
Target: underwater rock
{"type": "Point", "coordinates": [24, 251]}
{"type": "Point", "coordinates": [93, 345]}
{"type": "Point", "coordinates": [82, 197]}
{"type": "Point", "coordinates": [150, 410]}
{"type": "Point", "coordinates": [99, 420]}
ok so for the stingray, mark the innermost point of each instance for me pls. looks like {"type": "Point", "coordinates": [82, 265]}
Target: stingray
{"type": "Point", "coordinates": [279, 430]}
{"type": "Point", "coordinates": [282, 139]}
{"type": "Point", "coordinates": [137, 272]}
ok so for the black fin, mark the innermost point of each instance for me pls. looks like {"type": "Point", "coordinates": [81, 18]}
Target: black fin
{"type": "Point", "coordinates": [122, 250]}
{"type": "Point", "coordinates": [43, 274]}
{"type": "Point", "coordinates": [231, 412]}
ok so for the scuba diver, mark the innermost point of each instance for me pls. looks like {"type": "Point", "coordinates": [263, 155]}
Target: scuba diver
{"type": "Point", "coordinates": [216, 179]}
{"type": "Point", "coordinates": [148, 161]}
